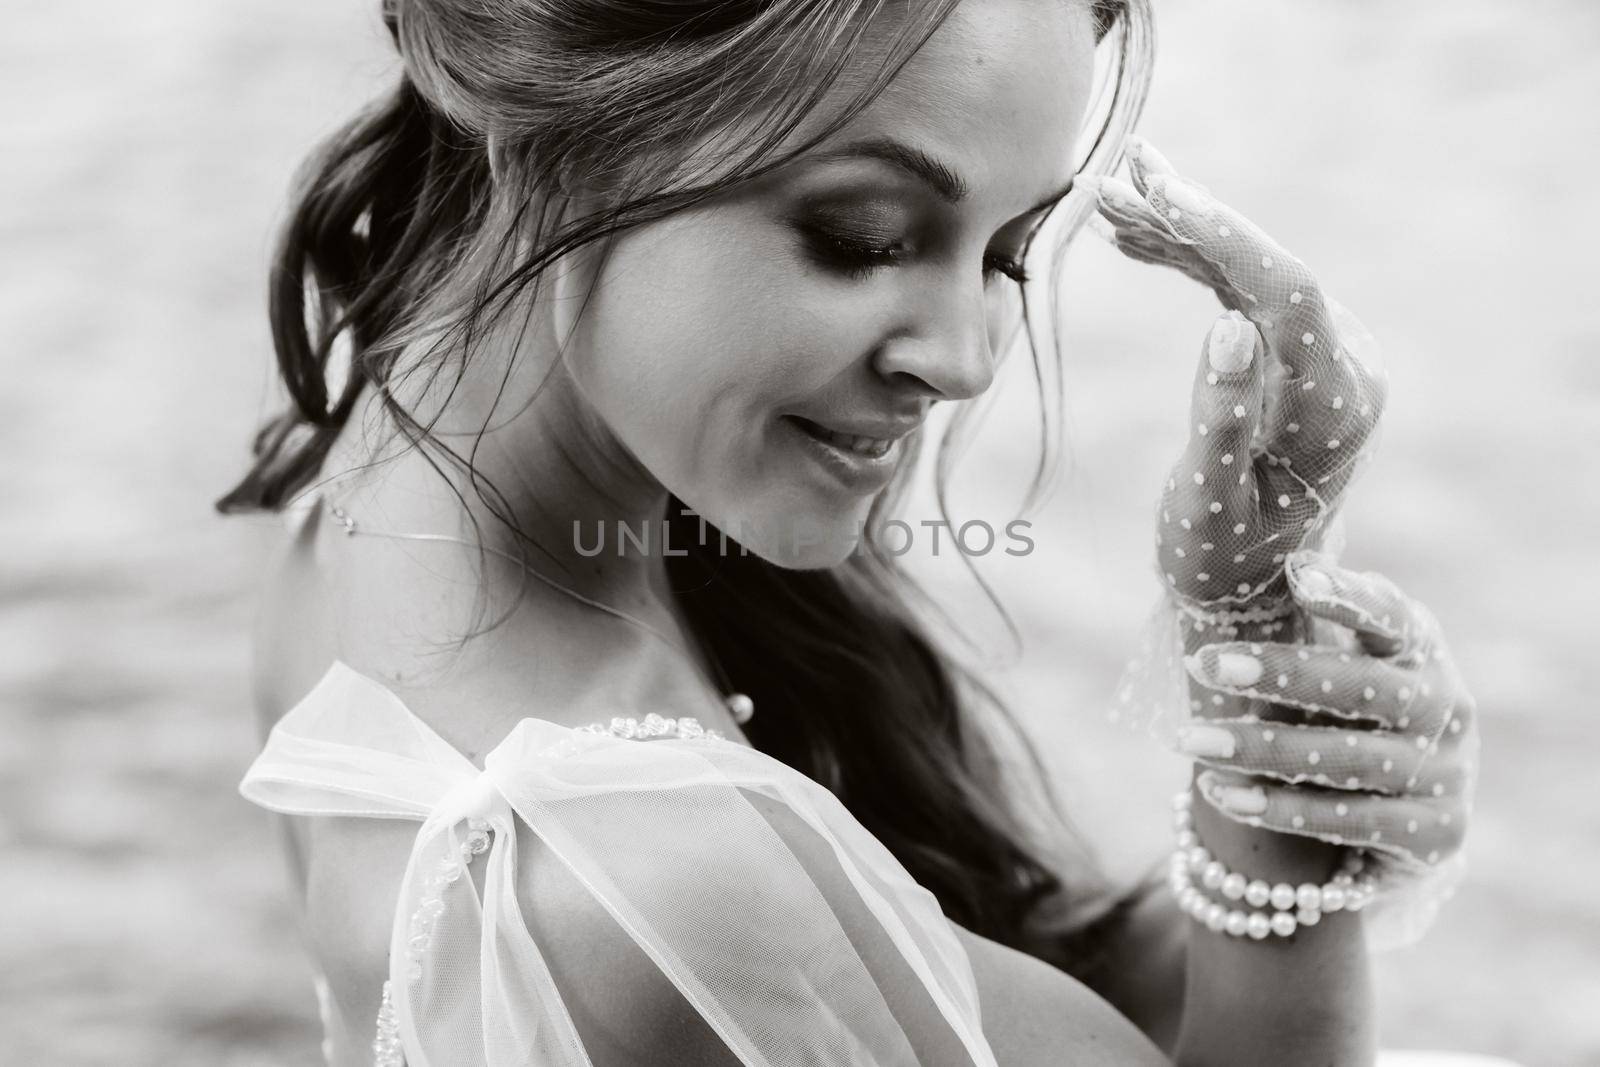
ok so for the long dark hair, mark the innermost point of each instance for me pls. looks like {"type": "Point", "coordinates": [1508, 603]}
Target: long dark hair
{"type": "Point", "coordinates": [401, 233]}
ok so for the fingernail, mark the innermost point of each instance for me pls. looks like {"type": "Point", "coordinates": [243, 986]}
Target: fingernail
{"type": "Point", "coordinates": [1197, 740]}
{"type": "Point", "coordinates": [1232, 344]}
{"type": "Point", "coordinates": [1238, 799]}
{"type": "Point", "coordinates": [1313, 582]}
{"type": "Point", "coordinates": [1236, 668]}
{"type": "Point", "coordinates": [1116, 192]}
{"type": "Point", "coordinates": [1183, 196]}
{"type": "Point", "coordinates": [1241, 799]}
{"type": "Point", "coordinates": [1308, 569]}
{"type": "Point", "coordinates": [1147, 158]}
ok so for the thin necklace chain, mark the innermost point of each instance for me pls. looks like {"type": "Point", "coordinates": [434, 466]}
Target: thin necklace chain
{"type": "Point", "coordinates": [738, 704]}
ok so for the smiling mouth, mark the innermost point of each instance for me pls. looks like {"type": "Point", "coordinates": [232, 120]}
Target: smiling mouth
{"type": "Point", "coordinates": [872, 447]}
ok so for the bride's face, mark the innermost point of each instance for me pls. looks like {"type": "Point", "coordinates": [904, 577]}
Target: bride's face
{"type": "Point", "coordinates": [764, 356]}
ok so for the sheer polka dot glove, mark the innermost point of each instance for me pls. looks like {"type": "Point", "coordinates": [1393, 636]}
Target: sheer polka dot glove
{"type": "Point", "coordinates": [1285, 404]}
{"type": "Point", "coordinates": [1386, 755]}
{"type": "Point", "coordinates": [1285, 410]}
{"type": "Point", "coordinates": [1285, 400]}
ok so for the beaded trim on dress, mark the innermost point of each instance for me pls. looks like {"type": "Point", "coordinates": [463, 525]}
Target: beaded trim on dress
{"type": "Point", "coordinates": [387, 1048]}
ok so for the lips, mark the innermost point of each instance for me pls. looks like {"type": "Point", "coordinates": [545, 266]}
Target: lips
{"type": "Point", "coordinates": [860, 444]}
{"type": "Point", "coordinates": [860, 463]}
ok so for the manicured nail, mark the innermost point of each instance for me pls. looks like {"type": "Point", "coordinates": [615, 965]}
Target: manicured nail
{"type": "Point", "coordinates": [1232, 344]}
{"type": "Point", "coordinates": [1148, 159]}
{"type": "Point", "coordinates": [1195, 740]}
{"type": "Point", "coordinates": [1235, 668]}
{"type": "Point", "coordinates": [1238, 799]}
{"type": "Point", "coordinates": [1314, 582]}
{"type": "Point", "coordinates": [1183, 196]}
{"type": "Point", "coordinates": [1116, 192]}
{"type": "Point", "coordinates": [1241, 799]}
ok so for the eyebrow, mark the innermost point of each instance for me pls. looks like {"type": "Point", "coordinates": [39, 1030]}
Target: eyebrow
{"type": "Point", "coordinates": [942, 179]}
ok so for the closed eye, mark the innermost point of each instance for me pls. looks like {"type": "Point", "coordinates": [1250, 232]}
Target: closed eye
{"type": "Point", "coordinates": [858, 258]}
{"type": "Point", "coordinates": [853, 255]}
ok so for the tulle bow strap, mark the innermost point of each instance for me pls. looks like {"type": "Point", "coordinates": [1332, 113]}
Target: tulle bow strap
{"type": "Point", "coordinates": [353, 749]}
{"type": "Point", "coordinates": [792, 932]}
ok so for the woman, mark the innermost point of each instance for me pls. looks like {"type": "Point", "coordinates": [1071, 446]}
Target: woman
{"type": "Point", "coordinates": [691, 277]}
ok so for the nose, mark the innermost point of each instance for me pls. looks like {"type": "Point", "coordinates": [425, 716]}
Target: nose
{"type": "Point", "coordinates": [948, 347]}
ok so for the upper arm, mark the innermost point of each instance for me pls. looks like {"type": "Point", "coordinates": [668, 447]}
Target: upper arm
{"type": "Point", "coordinates": [1034, 1014]}
{"type": "Point", "coordinates": [627, 1011]}
{"type": "Point", "coordinates": [1146, 963]}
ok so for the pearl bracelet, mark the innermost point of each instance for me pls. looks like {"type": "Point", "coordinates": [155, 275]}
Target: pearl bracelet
{"type": "Point", "coordinates": [1293, 906]}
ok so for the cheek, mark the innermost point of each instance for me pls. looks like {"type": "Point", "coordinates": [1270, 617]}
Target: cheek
{"type": "Point", "coordinates": [698, 337]}
{"type": "Point", "coordinates": [697, 341]}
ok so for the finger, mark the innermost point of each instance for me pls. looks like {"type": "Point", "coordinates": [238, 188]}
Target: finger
{"type": "Point", "coordinates": [1281, 295]}
{"type": "Point", "coordinates": [1124, 207]}
{"type": "Point", "coordinates": [1387, 623]}
{"type": "Point", "coordinates": [1284, 297]}
{"type": "Point", "coordinates": [1368, 761]}
{"type": "Point", "coordinates": [1460, 709]}
{"type": "Point", "coordinates": [1384, 619]}
{"type": "Point", "coordinates": [1144, 162]}
{"type": "Point", "coordinates": [1147, 249]}
{"type": "Point", "coordinates": [1209, 508]}
{"type": "Point", "coordinates": [1139, 233]}
{"type": "Point", "coordinates": [1225, 409]}
{"type": "Point", "coordinates": [1417, 830]}
{"type": "Point", "coordinates": [1320, 679]}
{"type": "Point", "coordinates": [1330, 400]}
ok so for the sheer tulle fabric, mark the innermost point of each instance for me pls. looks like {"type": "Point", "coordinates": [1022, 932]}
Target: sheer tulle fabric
{"type": "Point", "coordinates": [1278, 439]}
{"type": "Point", "coordinates": [666, 836]}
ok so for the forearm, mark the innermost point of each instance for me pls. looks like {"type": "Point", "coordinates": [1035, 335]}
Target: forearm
{"type": "Point", "coordinates": [1306, 998]}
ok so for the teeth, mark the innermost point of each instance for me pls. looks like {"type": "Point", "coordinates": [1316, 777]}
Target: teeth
{"type": "Point", "coordinates": [867, 446]}
{"type": "Point", "coordinates": [864, 445]}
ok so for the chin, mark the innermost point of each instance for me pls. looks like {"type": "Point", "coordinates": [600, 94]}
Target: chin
{"type": "Point", "coordinates": [801, 540]}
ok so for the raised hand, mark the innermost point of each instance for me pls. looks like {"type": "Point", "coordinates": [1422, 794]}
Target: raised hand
{"type": "Point", "coordinates": [1285, 401]}
{"type": "Point", "coordinates": [1324, 702]}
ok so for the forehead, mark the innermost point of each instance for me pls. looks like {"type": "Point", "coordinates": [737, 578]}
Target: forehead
{"type": "Point", "coordinates": [998, 92]}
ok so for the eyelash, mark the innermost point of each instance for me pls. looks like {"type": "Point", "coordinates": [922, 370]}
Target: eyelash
{"type": "Point", "coordinates": [857, 259]}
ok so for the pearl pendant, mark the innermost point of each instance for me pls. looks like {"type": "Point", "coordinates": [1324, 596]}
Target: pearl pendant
{"type": "Point", "coordinates": [741, 707]}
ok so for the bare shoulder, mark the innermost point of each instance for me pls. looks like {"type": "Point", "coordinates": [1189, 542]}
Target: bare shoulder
{"type": "Point", "coordinates": [626, 1008]}
{"type": "Point", "coordinates": [1036, 1014]}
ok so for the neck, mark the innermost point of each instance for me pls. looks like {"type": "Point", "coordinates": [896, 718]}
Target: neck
{"type": "Point", "coordinates": [551, 467]}
{"type": "Point", "coordinates": [545, 460]}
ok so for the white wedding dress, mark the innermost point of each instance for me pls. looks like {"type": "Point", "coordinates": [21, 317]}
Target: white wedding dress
{"type": "Point", "coordinates": [672, 832]}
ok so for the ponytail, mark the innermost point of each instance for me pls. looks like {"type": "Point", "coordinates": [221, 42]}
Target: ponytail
{"type": "Point", "coordinates": [376, 210]}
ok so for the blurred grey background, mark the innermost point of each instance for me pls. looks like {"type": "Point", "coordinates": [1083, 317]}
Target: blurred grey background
{"type": "Point", "coordinates": [1432, 161]}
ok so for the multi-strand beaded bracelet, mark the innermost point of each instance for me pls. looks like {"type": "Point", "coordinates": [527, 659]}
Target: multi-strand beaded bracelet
{"type": "Point", "coordinates": [1292, 906]}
